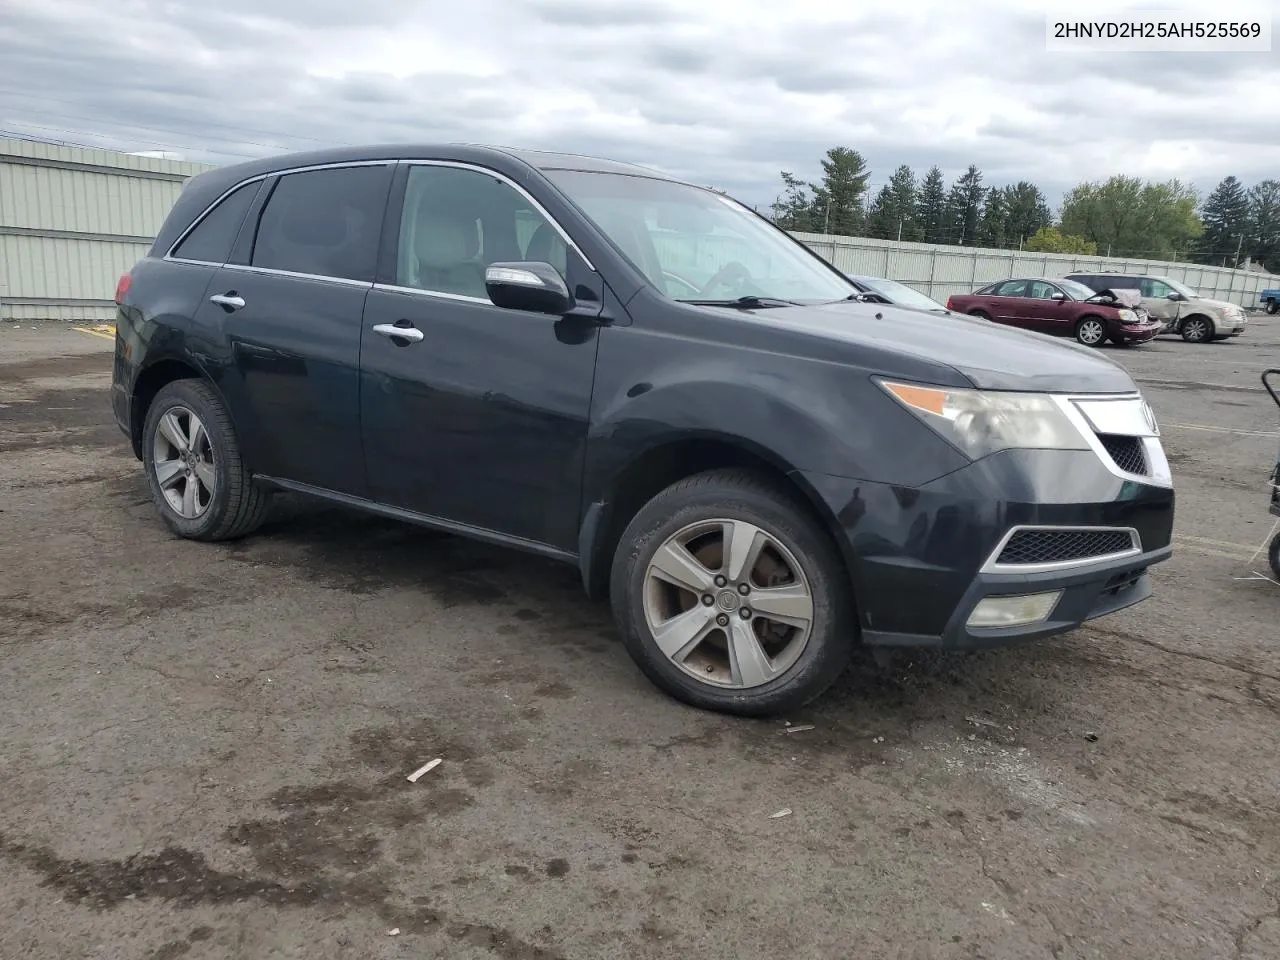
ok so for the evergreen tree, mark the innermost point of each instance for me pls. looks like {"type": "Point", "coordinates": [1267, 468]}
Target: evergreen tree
{"type": "Point", "coordinates": [1263, 238]}
{"type": "Point", "coordinates": [1027, 212]}
{"type": "Point", "coordinates": [1226, 221]}
{"type": "Point", "coordinates": [838, 200]}
{"type": "Point", "coordinates": [794, 209]}
{"type": "Point", "coordinates": [893, 212]}
{"type": "Point", "coordinates": [993, 227]}
{"type": "Point", "coordinates": [931, 203]}
{"type": "Point", "coordinates": [964, 207]}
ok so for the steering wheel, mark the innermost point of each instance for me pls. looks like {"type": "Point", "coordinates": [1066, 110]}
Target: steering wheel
{"type": "Point", "coordinates": [733, 274]}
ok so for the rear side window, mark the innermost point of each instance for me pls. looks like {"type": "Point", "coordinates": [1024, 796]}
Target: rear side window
{"type": "Point", "coordinates": [1096, 284]}
{"type": "Point", "coordinates": [211, 240]}
{"type": "Point", "coordinates": [1010, 288]}
{"type": "Point", "coordinates": [324, 223]}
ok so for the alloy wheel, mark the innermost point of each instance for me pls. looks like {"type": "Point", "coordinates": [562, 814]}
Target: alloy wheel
{"type": "Point", "coordinates": [1091, 332]}
{"type": "Point", "coordinates": [728, 603]}
{"type": "Point", "coordinates": [182, 459]}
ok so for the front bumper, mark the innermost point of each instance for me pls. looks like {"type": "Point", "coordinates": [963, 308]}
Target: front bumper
{"type": "Point", "coordinates": [1137, 332]}
{"type": "Point", "coordinates": [1086, 594]}
{"type": "Point", "coordinates": [920, 559]}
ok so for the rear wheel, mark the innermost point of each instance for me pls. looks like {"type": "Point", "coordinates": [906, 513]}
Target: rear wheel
{"type": "Point", "coordinates": [1091, 331]}
{"type": "Point", "coordinates": [731, 597]}
{"type": "Point", "coordinates": [1273, 555]}
{"type": "Point", "coordinates": [980, 314]}
{"type": "Point", "coordinates": [200, 485]}
{"type": "Point", "coordinates": [1197, 329]}
{"type": "Point", "coordinates": [1273, 306]}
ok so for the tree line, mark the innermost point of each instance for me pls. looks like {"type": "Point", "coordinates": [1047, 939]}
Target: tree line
{"type": "Point", "coordinates": [1121, 216]}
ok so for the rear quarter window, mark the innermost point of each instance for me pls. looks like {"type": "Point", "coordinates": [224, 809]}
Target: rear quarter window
{"type": "Point", "coordinates": [214, 234]}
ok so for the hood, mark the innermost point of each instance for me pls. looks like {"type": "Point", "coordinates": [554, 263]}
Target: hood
{"type": "Point", "coordinates": [1123, 298]}
{"type": "Point", "coordinates": [990, 356]}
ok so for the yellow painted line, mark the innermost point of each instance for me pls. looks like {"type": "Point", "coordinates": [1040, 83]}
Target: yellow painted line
{"type": "Point", "coordinates": [105, 331]}
{"type": "Point", "coordinates": [1212, 429]}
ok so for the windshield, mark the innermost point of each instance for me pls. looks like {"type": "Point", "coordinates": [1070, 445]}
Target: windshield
{"type": "Point", "coordinates": [694, 244]}
{"type": "Point", "coordinates": [1182, 288]}
{"type": "Point", "coordinates": [1077, 290]}
{"type": "Point", "coordinates": [901, 294]}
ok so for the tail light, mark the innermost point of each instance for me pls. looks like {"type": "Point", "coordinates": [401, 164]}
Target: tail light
{"type": "Point", "coordinates": [949, 306]}
{"type": "Point", "coordinates": [122, 286]}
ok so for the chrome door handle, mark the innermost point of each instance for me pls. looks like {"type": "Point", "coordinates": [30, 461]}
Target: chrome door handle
{"type": "Point", "coordinates": [228, 300]}
{"type": "Point", "coordinates": [403, 333]}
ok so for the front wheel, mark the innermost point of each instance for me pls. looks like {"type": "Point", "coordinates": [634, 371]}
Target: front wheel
{"type": "Point", "coordinates": [1273, 555]}
{"type": "Point", "coordinates": [1197, 330]}
{"type": "Point", "coordinates": [1091, 331]}
{"type": "Point", "coordinates": [731, 597]}
{"type": "Point", "coordinates": [1273, 306]}
{"type": "Point", "coordinates": [201, 486]}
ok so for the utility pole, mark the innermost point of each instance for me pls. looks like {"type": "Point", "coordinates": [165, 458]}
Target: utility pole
{"type": "Point", "coordinates": [899, 229]}
{"type": "Point", "coordinates": [826, 223]}
{"type": "Point", "coordinates": [1239, 247]}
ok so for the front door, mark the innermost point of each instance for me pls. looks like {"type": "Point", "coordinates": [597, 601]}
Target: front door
{"type": "Point", "coordinates": [1045, 314]}
{"type": "Point", "coordinates": [477, 415]}
{"type": "Point", "coordinates": [290, 316]}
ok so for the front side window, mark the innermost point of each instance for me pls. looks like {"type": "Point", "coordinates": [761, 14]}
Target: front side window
{"type": "Point", "coordinates": [697, 245]}
{"type": "Point", "coordinates": [214, 235]}
{"type": "Point", "coordinates": [1041, 290]}
{"type": "Point", "coordinates": [325, 223]}
{"type": "Point", "coordinates": [457, 221]}
{"type": "Point", "coordinates": [1150, 287]}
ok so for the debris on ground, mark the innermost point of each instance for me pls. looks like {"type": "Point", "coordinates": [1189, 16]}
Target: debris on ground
{"type": "Point", "coordinates": [1091, 737]}
{"type": "Point", "coordinates": [982, 722]}
{"type": "Point", "coordinates": [784, 812]}
{"type": "Point", "coordinates": [800, 728]}
{"type": "Point", "coordinates": [425, 768]}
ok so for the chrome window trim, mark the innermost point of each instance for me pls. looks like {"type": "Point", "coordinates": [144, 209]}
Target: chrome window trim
{"type": "Point", "coordinates": [1153, 451]}
{"type": "Point", "coordinates": [254, 179]}
{"type": "Point", "coordinates": [487, 171]}
{"type": "Point", "coordinates": [991, 565]}
{"type": "Point", "coordinates": [422, 292]}
{"type": "Point", "coordinates": [274, 272]}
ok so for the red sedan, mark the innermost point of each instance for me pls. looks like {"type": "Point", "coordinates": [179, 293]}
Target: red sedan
{"type": "Point", "coordinates": [1062, 308]}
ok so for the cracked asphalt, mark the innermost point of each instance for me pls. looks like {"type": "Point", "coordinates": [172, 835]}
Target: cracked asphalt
{"type": "Point", "coordinates": [205, 748]}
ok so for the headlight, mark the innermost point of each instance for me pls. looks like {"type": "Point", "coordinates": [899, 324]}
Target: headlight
{"type": "Point", "coordinates": [1128, 316]}
{"type": "Point", "coordinates": [982, 422]}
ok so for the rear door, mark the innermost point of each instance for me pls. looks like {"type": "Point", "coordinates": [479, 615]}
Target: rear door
{"type": "Point", "coordinates": [1006, 303]}
{"type": "Point", "coordinates": [477, 415]}
{"type": "Point", "coordinates": [288, 306]}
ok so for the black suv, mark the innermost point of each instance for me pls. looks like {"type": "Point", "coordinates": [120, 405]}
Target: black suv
{"type": "Point", "coordinates": [643, 378]}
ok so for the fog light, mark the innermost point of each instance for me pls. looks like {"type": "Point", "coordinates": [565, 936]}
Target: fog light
{"type": "Point", "coordinates": [1014, 611]}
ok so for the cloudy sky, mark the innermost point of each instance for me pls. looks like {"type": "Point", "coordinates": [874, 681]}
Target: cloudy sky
{"type": "Point", "coordinates": [725, 93]}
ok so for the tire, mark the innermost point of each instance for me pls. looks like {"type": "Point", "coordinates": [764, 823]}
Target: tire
{"type": "Point", "coordinates": [1091, 331]}
{"type": "Point", "coordinates": [1273, 306]}
{"type": "Point", "coordinates": [980, 314]}
{"type": "Point", "coordinates": [235, 506]}
{"type": "Point", "coordinates": [705, 675]}
{"type": "Point", "coordinates": [1273, 556]}
{"type": "Point", "coordinates": [1196, 329]}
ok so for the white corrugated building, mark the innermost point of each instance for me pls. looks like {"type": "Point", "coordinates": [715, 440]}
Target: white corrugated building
{"type": "Point", "coordinates": [72, 220]}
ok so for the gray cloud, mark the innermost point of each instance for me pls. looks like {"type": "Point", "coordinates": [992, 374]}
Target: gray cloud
{"type": "Point", "coordinates": [722, 94]}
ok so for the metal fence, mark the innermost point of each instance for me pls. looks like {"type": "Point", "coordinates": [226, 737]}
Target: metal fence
{"type": "Point", "coordinates": [939, 271]}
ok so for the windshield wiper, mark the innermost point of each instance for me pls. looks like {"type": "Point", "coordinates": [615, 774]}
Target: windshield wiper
{"type": "Point", "coordinates": [745, 303]}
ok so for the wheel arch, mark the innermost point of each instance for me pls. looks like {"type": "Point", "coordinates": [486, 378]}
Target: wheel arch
{"type": "Point", "coordinates": [666, 462]}
{"type": "Point", "coordinates": [153, 378]}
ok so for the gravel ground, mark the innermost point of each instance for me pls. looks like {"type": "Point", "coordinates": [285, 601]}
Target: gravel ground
{"type": "Point", "coordinates": [204, 748]}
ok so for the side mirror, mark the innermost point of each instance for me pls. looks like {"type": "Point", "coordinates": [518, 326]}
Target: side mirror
{"type": "Point", "coordinates": [528, 285]}
{"type": "Point", "coordinates": [1057, 295]}
{"type": "Point", "coordinates": [1175, 296]}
